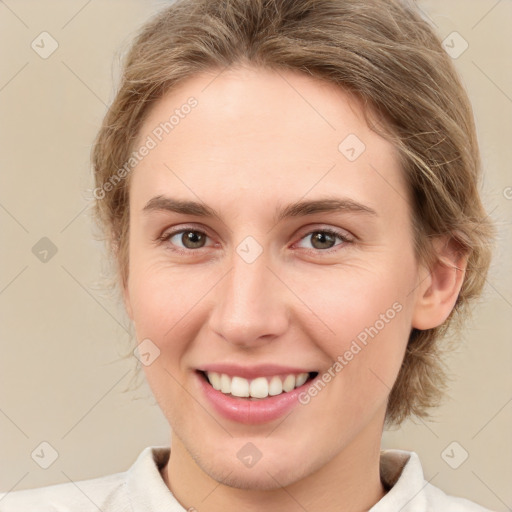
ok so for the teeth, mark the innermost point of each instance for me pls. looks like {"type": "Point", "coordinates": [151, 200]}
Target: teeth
{"type": "Point", "coordinates": [261, 387]}
{"type": "Point", "coordinates": [225, 383]}
{"type": "Point", "coordinates": [239, 387]}
{"type": "Point", "coordinates": [303, 377]}
{"type": "Point", "coordinates": [215, 380]}
{"type": "Point", "coordinates": [289, 383]}
{"type": "Point", "coordinates": [275, 387]}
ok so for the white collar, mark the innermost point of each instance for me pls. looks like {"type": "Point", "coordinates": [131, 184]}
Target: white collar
{"type": "Point", "coordinates": [400, 469]}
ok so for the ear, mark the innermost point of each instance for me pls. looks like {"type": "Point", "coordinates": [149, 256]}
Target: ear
{"type": "Point", "coordinates": [440, 285]}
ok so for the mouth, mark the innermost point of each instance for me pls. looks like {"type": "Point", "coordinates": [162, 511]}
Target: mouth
{"type": "Point", "coordinates": [258, 388]}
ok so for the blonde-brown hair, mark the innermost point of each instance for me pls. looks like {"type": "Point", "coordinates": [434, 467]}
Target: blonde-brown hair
{"type": "Point", "coordinates": [383, 52]}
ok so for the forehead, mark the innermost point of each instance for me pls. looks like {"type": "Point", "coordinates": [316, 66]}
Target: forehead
{"type": "Point", "coordinates": [279, 133]}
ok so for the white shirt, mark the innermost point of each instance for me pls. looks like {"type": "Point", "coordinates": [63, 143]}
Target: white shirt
{"type": "Point", "coordinates": [142, 489]}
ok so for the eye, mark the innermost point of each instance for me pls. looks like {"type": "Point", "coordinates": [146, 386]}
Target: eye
{"type": "Point", "coordinates": [325, 239]}
{"type": "Point", "coordinates": [190, 239]}
{"type": "Point", "coordinates": [186, 240]}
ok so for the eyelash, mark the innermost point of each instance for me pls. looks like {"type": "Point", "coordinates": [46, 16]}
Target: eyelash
{"type": "Point", "coordinates": [165, 237]}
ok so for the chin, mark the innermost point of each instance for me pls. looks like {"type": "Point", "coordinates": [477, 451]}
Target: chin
{"type": "Point", "coordinates": [257, 479]}
{"type": "Point", "coordinates": [271, 472]}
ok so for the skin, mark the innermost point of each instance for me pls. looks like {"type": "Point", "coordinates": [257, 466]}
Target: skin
{"type": "Point", "coordinates": [259, 140]}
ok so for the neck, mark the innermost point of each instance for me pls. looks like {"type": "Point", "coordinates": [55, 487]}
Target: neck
{"type": "Point", "coordinates": [349, 482]}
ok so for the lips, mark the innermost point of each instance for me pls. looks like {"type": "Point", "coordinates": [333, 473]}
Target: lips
{"type": "Point", "coordinates": [253, 395]}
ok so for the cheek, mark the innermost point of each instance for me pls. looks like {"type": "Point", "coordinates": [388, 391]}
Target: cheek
{"type": "Point", "coordinates": [357, 301]}
{"type": "Point", "coordinates": [163, 310]}
{"type": "Point", "coordinates": [160, 295]}
{"type": "Point", "coordinates": [169, 307]}
{"type": "Point", "coordinates": [369, 311]}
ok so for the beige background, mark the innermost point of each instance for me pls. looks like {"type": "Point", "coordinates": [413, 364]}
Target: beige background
{"type": "Point", "coordinates": [63, 380]}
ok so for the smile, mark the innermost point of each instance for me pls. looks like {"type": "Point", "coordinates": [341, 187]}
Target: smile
{"type": "Point", "coordinates": [258, 388]}
{"type": "Point", "coordinates": [253, 395]}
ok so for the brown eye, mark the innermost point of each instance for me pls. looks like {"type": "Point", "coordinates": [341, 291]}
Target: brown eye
{"type": "Point", "coordinates": [185, 239]}
{"type": "Point", "coordinates": [192, 239]}
{"type": "Point", "coordinates": [322, 240]}
{"type": "Point", "coordinates": [325, 239]}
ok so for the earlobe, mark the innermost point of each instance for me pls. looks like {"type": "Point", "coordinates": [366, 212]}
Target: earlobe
{"type": "Point", "coordinates": [440, 285]}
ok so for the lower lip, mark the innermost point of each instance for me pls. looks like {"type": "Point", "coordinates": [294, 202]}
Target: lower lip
{"type": "Point", "coordinates": [251, 412]}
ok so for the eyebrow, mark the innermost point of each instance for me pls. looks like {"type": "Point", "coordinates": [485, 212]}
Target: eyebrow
{"type": "Point", "coordinates": [296, 209]}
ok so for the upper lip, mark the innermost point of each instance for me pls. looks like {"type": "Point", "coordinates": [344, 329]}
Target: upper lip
{"type": "Point", "coordinates": [252, 372]}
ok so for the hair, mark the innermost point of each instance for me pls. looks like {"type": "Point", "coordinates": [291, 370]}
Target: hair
{"type": "Point", "coordinates": [381, 51]}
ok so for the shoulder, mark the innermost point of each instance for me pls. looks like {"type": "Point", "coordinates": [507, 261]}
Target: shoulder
{"type": "Point", "coordinates": [402, 473]}
{"type": "Point", "coordinates": [438, 500]}
{"type": "Point", "coordinates": [141, 485]}
{"type": "Point", "coordinates": [105, 493]}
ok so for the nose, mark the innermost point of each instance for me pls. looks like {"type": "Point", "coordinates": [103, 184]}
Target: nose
{"type": "Point", "coordinates": [250, 304]}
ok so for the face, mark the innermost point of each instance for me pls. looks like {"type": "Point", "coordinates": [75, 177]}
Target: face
{"type": "Point", "coordinates": [241, 290]}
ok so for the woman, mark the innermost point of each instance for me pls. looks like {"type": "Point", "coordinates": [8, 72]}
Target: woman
{"type": "Point", "coordinates": [290, 193]}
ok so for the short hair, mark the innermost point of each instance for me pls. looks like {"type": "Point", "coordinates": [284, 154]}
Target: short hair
{"type": "Point", "coordinates": [386, 54]}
